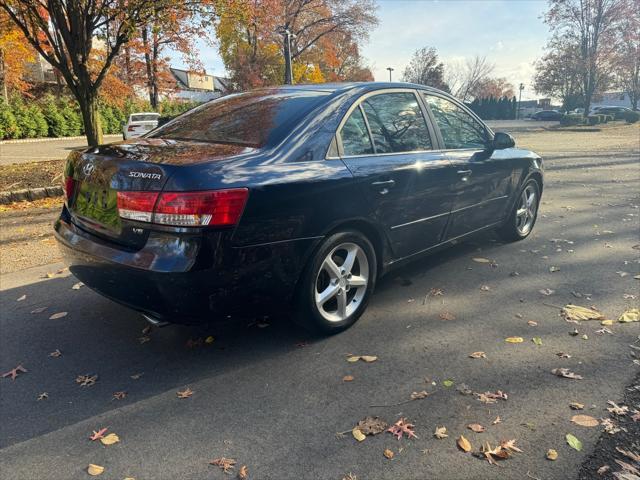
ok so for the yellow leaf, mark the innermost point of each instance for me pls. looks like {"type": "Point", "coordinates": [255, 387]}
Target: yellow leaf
{"type": "Point", "coordinates": [477, 355]}
{"type": "Point", "coordinates": [209, 339]}
{"type": "Point", "coordinates": [481, 260]}
{"type": "Point", "coordinates": [440, 433]}
{"type": "Point", "coordinates": [514, 339]}
{"type": "Point", "coordinates": [243, 473]}
{"type": "Point", "coordinates": [552, 454]}
{"type": "Point", "coordinates": [464, 444]}
{"type": "Point", "coordinates": [576, 312]}
{"type": "Point", "coordinates": [585, 421]}
{"type": "Point", "coordinates": [631, 315]}
{"type": "Point", "coordinates": [606, 322]}
{"type": "Point", "coordinates": [353, 358]}
{"type": "Point", "coordinates": [388, 453]}
{"type": "Point", "coordinates": [369, 358]}
{"type": "Point", "coordinates": [347, 378]}
{"type": "Point", "coordinates": [358, 435]}
{"type": "Point", "coordinates": [94, 470]}
{"type": "Point", "coordinates": [110, 439]}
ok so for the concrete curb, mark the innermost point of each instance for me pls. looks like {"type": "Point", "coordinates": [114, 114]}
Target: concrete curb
{"type": "Point", "coordinates": [48, 139]}
{"type": "Point", "coordinates": [29, 194]}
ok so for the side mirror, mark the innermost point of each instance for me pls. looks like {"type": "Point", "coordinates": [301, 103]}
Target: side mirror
{"type": "Point", "coordinates": [502, 140]}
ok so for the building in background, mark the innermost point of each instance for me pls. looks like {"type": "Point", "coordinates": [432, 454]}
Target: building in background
{"type": "Point", "coordinates": [198, 87]}
{"type": "Point", "coordinates": [611, 99]}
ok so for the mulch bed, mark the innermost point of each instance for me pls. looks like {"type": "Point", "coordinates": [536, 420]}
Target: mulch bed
{"type": "Point", "coordinates": [21, 176]}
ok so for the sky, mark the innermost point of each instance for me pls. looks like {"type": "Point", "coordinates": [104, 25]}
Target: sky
{"type": "Point", "coordinates": [510, 33]}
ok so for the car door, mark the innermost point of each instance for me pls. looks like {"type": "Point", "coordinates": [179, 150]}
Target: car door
{"type": "Point", "coordinates": [387, 144]}
{"type": "Point", "coordinates": [484, 178]}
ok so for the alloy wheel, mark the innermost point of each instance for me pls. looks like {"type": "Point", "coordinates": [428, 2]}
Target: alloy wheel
{"type": "Point", "coordinates": [526, 212]}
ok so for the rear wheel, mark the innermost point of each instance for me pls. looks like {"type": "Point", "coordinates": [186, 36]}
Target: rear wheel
{"type": "Point", "coordinates": [523, 217]}
{"type": "Point", "coordinates": [337, 283]}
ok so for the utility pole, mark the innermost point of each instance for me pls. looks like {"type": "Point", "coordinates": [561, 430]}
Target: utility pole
{"type": "Point", "coordinates": [390, 70]}
{"type": "Point", "coordinates": [288, 76]}
{"type": "Point", "coordinates": [521, 87]}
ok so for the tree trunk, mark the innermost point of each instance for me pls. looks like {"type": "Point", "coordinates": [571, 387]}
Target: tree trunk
{"type": "Point", "coordinates": [91, 117]}
{"type": "Point", "coordinates": [3, 77]}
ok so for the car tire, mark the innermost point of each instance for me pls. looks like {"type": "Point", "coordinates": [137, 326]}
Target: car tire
{"type": "Point", "coordinates": [336, 284]}
{"type": "Point", "coordinates": [522, 218]}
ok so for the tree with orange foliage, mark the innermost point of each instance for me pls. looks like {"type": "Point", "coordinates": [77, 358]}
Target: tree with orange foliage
{"type": "Point", "coordinates": [15, 54]}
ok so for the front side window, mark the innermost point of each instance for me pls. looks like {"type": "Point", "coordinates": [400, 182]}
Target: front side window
{"type": "Point", "coordinates": [396, 123]}
{"type": "Point", "coordinates": [458, 128]}
{"type": "Point", "coordinates": [355, 136]}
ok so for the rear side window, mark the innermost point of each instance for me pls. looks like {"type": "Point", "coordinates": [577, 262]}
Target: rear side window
{"type": "Point", "coordinates": [458, 128]}
{"type": "Point", "coordinates": [253, 119]}
{"type": "Point", "coordinates": [144, 118]}
{"type": "Point", "coordinates": [396, 123]}
{"type": "Point", "coordinates": [355, 136]}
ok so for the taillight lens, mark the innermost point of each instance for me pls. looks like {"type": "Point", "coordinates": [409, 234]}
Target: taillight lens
{"type": "Point", "coordinates": [69, 187]}
{"type": "Point", "coordinates": [184, 209]}
{"type": "Point", "coordinates": [131, 128]}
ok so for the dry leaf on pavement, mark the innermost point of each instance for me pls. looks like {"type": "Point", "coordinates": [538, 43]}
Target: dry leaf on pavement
{"type": "Point", "coordinates": [547, 291]}
{"type": "Point", "coordinates": [86, 380]}
{"type": "Point", "coordinates": [631, 315]}
{"type": "Point", "coordinates": [565, 373]}
{"type": "Point", "coordinates": [574, 313]}
{"type": "Point", "coordinates": [226, 464]}
{"type": "Point", "coordinates": [552, 454]}
{"type": "Point", "coordinates": [492, 454]}
{"type": "Point", "coordinates": [95, 470]}
{"type": "Point", "coordinates": [477, 355]}
{"type": "Point", "coordinates": [447, 316]}
{"type": "Point", "coordinates": [617, 409]}
{"type": "Point", "coordinates": [388, 453]}
{"type": "Point", "coordinates": [481, 260]}
{"type": "Point", "coordinates": [419, 395]}
{"type": "Point", "coordinates": [372, 425]}
{"type": "Point", "coordinates": [358, 435]}
{"type": "Point", "coordinates": [510, 445]}
{"type": "Point", "coordinates": [401, 427]}
{"type": "Point", "coordinates": [368, 358]}
{"type": "Point", "coordinates": [243, 473]}
{"type": "Point", "coordinates": [186, 393]}
{"type": "Point", "coordinates": [110, 439]}
{"type": "Point", "coordinates": [98, 434]}
{"type": "Point", "coordinates": [476, 427]}
{"type": "Point", "coordinates": [440, 433]}
{"type": "Point", "coordinates": [43, 396]}
{"type": "Point", "coordinates": [14, 372]}
{"type": "Point", "coordinates": [585, 421]}
{"type": "Point", "coordinates": [119, 395]}
{"type": "Point", "coordinates": [496, 421]}
{"type": "Point", "coordinates": [463, 443]}
{"type": "Point", "coordinates": [56, 353]}
{"type": "Point", "coordinates": [573, 442]}
{"type": "Point", "coordinates": [347, 378]}
{"type": "Point", "coordinates": [38, 310]}
{"type": "Point", "coordinates": [576, 406]}
{"type": "Point", "coordinates": [58, 315]}
{"type": "Point", "coordinates": [23, 297]}
{"type": "Point", "coordinates": [514, 339]}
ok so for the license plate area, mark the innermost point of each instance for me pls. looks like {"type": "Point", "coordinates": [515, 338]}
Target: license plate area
{"type": "Point", "coordinates": [99, 205]}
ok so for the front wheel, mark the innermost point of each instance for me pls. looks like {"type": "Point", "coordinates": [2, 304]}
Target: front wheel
{"type": "Point", "coordinates": [336, 284]}
{"type": "Point", "coordinates": [523, 217]}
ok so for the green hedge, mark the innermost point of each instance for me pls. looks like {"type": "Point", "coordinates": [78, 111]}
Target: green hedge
{"type": "Point", "coordinates": [60, 117]}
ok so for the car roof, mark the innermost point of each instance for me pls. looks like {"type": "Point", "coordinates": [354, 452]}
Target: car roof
{"type": "Point", "coordinates": [339, 87]}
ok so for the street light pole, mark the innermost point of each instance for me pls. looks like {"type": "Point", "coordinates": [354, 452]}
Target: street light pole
{"type": "Point", "coordinates": [521, 87]}
{"type": "Point", "coordinates": [390, 70]}
{"type": "Point", "coordinates": [288, 77]}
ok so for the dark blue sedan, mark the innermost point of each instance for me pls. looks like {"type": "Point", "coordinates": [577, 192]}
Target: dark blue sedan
{"type": "Point", "coordinates": [292, 197]}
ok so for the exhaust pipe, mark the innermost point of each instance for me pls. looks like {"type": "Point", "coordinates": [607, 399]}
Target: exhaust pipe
{"type": "Point", "coordinates": [154, 321]}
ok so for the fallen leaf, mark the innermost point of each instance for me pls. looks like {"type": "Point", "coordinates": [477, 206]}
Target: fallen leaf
{"type": "Point", "coordinates": [563, 355]}
{"type": "Point", "coordinates": [400, 427]}
{"type": "Point", "coordinates": [136, 376]}
{"type": "Point", "coordinates": [485, 288]}
{"type": "Point", "coordinates": [552, 454]}
{"type": "Point", "coordinates": [463, 443]}
{"type": "Point", "coordinates": [56, 353]}
{"type": "Point", "coordinates": [347, 378]}
{"type": "Point", "coordinates": [447, 316]}
{"type": "Point", "coordinates": [578, 313]}
{"type": "Point", "coordinates": [186, 393]}
{"type": "Point", "coordinates": [226, 464]}
{"type": "Point", "coordinates": [98, 434]}
{"type": "Point", "coordinates": [440, 433]}
{"type": "Point", "coordinates": [492, 454]}
{"type": "Point", "coordinates": [585, 421]}
{"type": "Point", "coordinates": [353, 358]}
{"type": "Point", "coordinates": [547, 291]}
{"type": "Point", "coordinates": [371, 425]}
{"type": "Point", "coordinates": [209, 340]}
{"type": "Point", "coordinates": [476, 427]}
{"type": "Point", "coordinates": [496, 421]}
{"type": "Point", "coordinates": [573, 442]}
{"type": "Point", "coordinates": [388, 453]}
{"type": "Point", "coordinates": [510, 445]}
{"type": "Point", "coordinates": [514, 339]}
{"type": "Point", "coordinates": [448, 383]}
{"type": "Point", "coordinates": [576, 406]}
{"type": "Point", "coordinates": [603, 469]}
{"type": "Point", "coordinates": [419, 395]}
{"type": "Point", "coordinates": [531, 323]}
{"type": "Point", "coordinates": [481, 260]}
{"type": "Point", "coordinates": [86, 380]}
{"type": "Point", "coordinates": [369, 358]}
{"type": "Point", "coordinates": [38, 310]}
{"type": "Point", "coordinates": [14, 372]}
{"type": "Point", "coordinates": [553, 269]}
{"type": "Point", "coordinates": [610, 426]}
{"type": "Point", "coordinates": [631, 315]}
{"type": "Point", "coordinates": [537, 340]}
{"type": "Point", "coordinates": [477, 355]}
{"type": "Point", "coordinates": [21, 298]}
{"type": "Point", "coordinates": [110, 439]}
{"type": "Point", "coordinates": [95, 470]}
{"type": "Point", "coordinates": [617, 409]}
{"type": "Point", "coordinates": [77, 286]}
{"type": "Point", "coordinates": [564, 372]}
{"type": "Point", "coordinates": [119, 395]}
{"type": "Point", "coordinates": [606, 322]}
{"type": "Point", "coordinates": [358, 435]}
{"type": "Point", "coordinates": [243, 473]}
{"type": "Point", "coordinates": [58, 315]}
{"type": "Point", "coordinates": [43, 396]}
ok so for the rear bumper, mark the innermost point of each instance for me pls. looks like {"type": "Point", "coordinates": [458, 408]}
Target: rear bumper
{"type": "Point", "coordinates": [186, 279]}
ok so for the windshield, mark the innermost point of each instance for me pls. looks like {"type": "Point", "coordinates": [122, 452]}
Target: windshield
{"type": "Point", "coordinates": [148, 117]}
{"type": "Point", "coordinates": [252, 119]}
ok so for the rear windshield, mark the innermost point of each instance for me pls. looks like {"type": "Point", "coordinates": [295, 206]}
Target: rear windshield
{"type": "Point", "coordinates": [145, 118]}
{"type": "Point", "coordinates": [252, 119]}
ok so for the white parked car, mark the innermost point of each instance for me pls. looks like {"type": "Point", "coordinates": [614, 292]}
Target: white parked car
{"type": "Point", "coordinates": [139, 124]}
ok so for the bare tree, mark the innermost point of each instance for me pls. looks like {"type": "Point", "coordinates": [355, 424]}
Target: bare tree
{"type": "Point", "coordinates": [627, 57]}
{"type": "Point", "coordinates": [425, 69]}
{"type": "Point", "coordinates": [590, 25]}
{"type": "Point", "coordinates": [465, 79]}
{"type": "Point", "coordinates": [63, 33]}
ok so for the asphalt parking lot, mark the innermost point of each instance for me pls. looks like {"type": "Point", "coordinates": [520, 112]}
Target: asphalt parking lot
{"type": "Point", "coordinates": [273, 398]}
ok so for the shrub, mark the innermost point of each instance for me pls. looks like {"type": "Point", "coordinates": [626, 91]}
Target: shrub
{"type": "Point", "coordinates": [56, 122]}
{"type": "Point", "coordinates": [572, 119]}
{"type": "Point", "coordinates": [42, 129]}
{"type": "Point", "coordinates": [631, 116]}
{"type": "Point", "coordinates": [8, 124]}
{"type": "Point", "coordinates": [73, 121]}
{"type": "Point", "coordinates": [593, 119]}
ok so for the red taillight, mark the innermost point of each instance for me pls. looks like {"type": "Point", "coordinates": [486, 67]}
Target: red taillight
{"type": "Point", "coordinates": [69, 187]}
{"type": "Point", "coordinates": [131, 128]}
{"type": "Point", "coordinates": [185, 209]}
